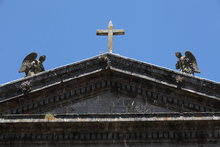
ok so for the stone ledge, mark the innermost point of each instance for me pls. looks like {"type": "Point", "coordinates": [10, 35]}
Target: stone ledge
{"type": "Point", "coordinates": [106, 128]}
{"type": "Point", "coordinates": [173, 116]}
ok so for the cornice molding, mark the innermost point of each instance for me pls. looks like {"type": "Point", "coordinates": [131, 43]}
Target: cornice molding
{"type": "Point", "coordinates": [171, 128]}
{"type": "Point", "coordinates": [110, 72]}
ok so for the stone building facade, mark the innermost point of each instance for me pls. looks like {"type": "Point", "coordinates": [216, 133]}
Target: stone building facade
{"type": "Point", "coordinates": [110, 100]}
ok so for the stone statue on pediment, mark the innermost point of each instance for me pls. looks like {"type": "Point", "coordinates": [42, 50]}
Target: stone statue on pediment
{"type": "Point", "coordinates": [31, 65]}
{"type": "Point", "coordinates": [187, 63]}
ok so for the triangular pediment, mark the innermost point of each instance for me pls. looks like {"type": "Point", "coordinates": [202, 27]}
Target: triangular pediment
{"type": "Point", "coordinates": [110, 78]}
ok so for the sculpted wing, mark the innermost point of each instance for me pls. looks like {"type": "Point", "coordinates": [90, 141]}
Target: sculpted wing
{"type": "Point", "coordinates": [192, 60]}
{"type": "Point", "coordinates": [26, 64]}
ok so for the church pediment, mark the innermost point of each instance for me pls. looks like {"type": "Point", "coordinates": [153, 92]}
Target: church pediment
{"type": "Point", "coordinates": [84, 81]}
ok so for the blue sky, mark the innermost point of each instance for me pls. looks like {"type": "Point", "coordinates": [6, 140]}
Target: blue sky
{"type": "Point", "coordinates": [65, 31]}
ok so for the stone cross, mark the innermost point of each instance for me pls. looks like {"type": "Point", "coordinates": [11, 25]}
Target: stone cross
{"type": "Point", "coordinates": [110, 32]}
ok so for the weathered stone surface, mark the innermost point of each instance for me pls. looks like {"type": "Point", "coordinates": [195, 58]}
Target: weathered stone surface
{"type": "Point", "coordinates": [125, 144]}
{"type": "Point", "coordinates": [110, 103]}
{"type": "Point", "coordinates": [169, 129]}
{"type": "Point", "coordinates": [108, 72]}
{"type": "Point", "coordinates": [125, 90]}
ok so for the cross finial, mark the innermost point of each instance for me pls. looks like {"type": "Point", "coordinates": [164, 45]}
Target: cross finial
{"type": "Point", "coordinates": [110, 32]}
{"type": "Point", "coordinates": [110, 23]}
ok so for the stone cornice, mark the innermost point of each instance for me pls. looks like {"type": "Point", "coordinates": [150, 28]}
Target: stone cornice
{"type": "Point", "coordinates": [183, 128]}
{"type": "Point", "coordinates": [146, 117]}
{"type": "Point", "coordinates": [153, 72]}
{"type": "Point", "coordinates": [121, 75]}
{"type": "Point", "coordinates": [164, 75]}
